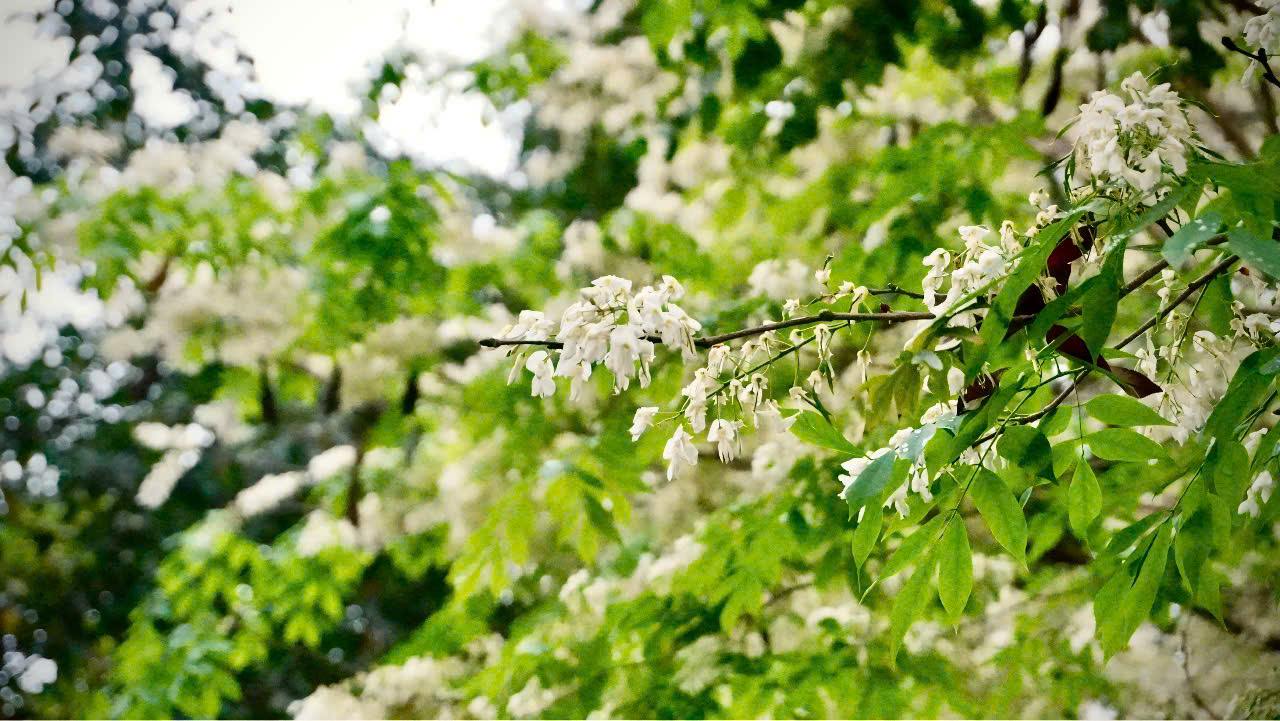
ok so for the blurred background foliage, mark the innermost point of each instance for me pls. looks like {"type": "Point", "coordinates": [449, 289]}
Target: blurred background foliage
{"type": "Point", "coordinates": [282, 279]}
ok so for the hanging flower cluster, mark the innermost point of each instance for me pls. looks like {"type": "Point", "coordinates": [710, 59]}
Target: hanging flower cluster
{"type": "Point", "coordinates": [610, 325]}
{"type": "Point", "coordinates": [731, 390]}
{"type": "Point", "coordinates": [984, 260]}
{"type": "Point", "coordinates": [1262, 33]}
{"type": "Point", "coordinates": [1132, 144]}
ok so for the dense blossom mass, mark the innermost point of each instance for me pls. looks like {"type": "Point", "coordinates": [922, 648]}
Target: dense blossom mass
{"type": "Point", "coordinates": [765, 360]}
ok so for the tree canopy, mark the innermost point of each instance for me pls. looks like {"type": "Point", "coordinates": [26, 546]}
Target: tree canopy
{"type": "Point", "coordinates": [814, 359]}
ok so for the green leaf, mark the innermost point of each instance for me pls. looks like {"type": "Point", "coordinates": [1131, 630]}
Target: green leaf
{"type": "Point", "coordinates": [662, 21]}
{"type": "Point", "coordinates": [909, 604]}
{"type": "Point", "coordinates": [1124, 539]}
{"type": "Point", "coordinates": [1229, 468]}
{"type": "Point", "coordinates": [1118, 410]}
{"type": "Point", "coordinates": [1030, 266]}
{"type": "Point", "coordinates": [1084, 499]}
{"type": "Point", "coordinates": [1108, 607]}
{"type": "Point", "coordinates": [867, 532]}
{"type": "Point", "coordinates": [1001, 511]}
{"type": "Point", "coordinates": [974, 425]}
{"type": "Point", "coordinates": [1247, 387]}
{"type": "Point", "coordinates": [871, 482]}
{"type": "Point", "coordinates": [1139, 597]}
{"type": "Point", "coordinates": [911, 547]}
{"type": "Point", "coordinates": [1178, 248]}
{"type": "Point", "coordinates": [1209, 593]}
{"type": "Point", "coordinates": [1191, 548]}
{"type": "Point", "coordinates": [1123, 444]}
{"type": "Point", "coordinates": [955, 569]}
{"type": "Point", "coordinates": [1027, 448]}
{"type": "Point", "coordinates": [812, 428]}
{"type": "Point", "coordinates": [1098, 308]}
{"type": "Point", "coordinates": [1262, 254]}
{"type": "Point", "coordinates": [1149, 216]}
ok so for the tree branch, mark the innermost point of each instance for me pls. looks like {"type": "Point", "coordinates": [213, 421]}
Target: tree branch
{"type": "Point", "coordinates": [1182, 297]}
{"type": "Point", "coordinates": [708, 341]}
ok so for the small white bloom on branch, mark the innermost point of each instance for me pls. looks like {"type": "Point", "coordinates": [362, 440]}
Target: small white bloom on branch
{"type": "Point", "coordinates": [680, 453]}
{"type": "Point", "coordinates": [642, 421]}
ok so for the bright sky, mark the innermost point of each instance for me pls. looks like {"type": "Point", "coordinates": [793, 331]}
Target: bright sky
{"type": "Point", "coordinates": [314, 53]}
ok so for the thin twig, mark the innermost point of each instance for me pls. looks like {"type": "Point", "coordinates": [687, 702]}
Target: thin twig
{"type": "Point", "coordinates": [1259, 57]}
{"type": "Point", "coordinates": [1192, 287]}
{"type": "Point", "coordinates": [708, 341]}
{"type": "Point", "coordinates": [826, 315]}
{"type": "Point", "coordinates": [1195, 285]}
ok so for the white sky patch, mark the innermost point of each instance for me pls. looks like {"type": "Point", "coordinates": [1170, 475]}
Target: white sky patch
{"type": "Point", "coordinates": [318, 55]}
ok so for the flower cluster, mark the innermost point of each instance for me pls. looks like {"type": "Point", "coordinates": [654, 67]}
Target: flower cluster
{"type": "Point", "coordinates": [33, 672]}
{"type": "Point", "coordinates": [1132, 144]}
{"type": "Point", "coordinates": [1258, 494]}
{"type": "Point", "coordinates": [743, 394]}
{"type": "Point", "coordinates": [907, 443]}
{"type": "Point", "coordinates": [984, 260]}
{"type": "Point", "coordinates": [1262, 32]}
{"type": "Point", "coordinates": [182, 446]}
{"type": "Point", "coordinates": [612, 326]}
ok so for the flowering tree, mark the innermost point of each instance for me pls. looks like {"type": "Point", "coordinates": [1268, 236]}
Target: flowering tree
{"type": "Point", "coordinates": [821, 359]}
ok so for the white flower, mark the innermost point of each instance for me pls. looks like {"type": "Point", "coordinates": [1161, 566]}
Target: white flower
{"type": "Point", "coordinates": [331, 462]}
{"type": "Point", "coordinates": [855, 293]}
{"type": "Point", "coordinates": [1094, 710]}
{"type": "Point", "coordinates": [679, 453]}
{"type": "Point", "coordinates": [270, 491]}
{"type": "Point", "coordinates": [530, 325]}
{"type": "Point", "coordinates": [991, 264]}
{"type": "Point", "coordinates": [40, 672]}
{"type": "Point", "coordinates": [938, 412]}
{"type": "Point", "coordinates": [627, 347]}
{"type": "Point", "coordinates": [672, 288]}
{"type": "Point", "coordinates": [677, 330]}
{"type": "Point", "coordinates": [752, 394]}
{"type": "Point", "coordinates": [974, 237]}
{"type": "Point", "coordinates": [607, 290]}
{"type": "Point", "coordinates": [790, 308]}
{"type": "Point", "coordinates": [724, 433]}
{"type": "Point", "coordinates": [1258, 494]}
{"type": "Point", "coordinates": [717, 359]}
{"type": "Point", "coordinates": [578, 380]}
{"type": "Point", "coordinates": [779, 280]}
{"type": "Point", "coordinates": [769, 420]}
{"type": "Point", "coordinates": [164, 475]}
{"type": "Point", "coordinates": [853, 468]}
{"type": "Point", "coordinates": [531, 700]}
{"type": "Point", "coordinates": [539, 364]}
{"type": "Point", "coordinates": [481, 707]}
{"type": "Point", "coordinates": [1130, 143]}
{"type": "Point", "coordinates": [697, 390]}
{"type": "Point", "coordinates": [642, 421]}
{"type": "Point", "coordinates": [822, 337]}
{"type": "Point", "coordinates": [1262, 32]}
{"type": "Point", "coordinates": [939, 264]}
{"type": "Point", "coordinates": [822, 275]}
{"type": "Point", "coordinates": [322, 531]}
